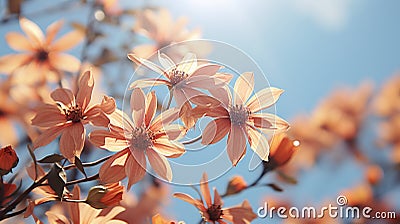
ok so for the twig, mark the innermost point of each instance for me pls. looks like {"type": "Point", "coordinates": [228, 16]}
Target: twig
{"type": "Point", "coordinates": [94, 163]}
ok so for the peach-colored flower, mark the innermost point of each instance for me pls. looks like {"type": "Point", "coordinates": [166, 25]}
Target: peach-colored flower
{"type": "Point", "coordinates": [373, 174]}
{"type": "Point", "coordinates": [42, 57]}
{"type": "Point", "coordinates": [6, 190]}
{"type": "Point", "coordinates": [8, 159]}
{"type": "Point", "coordinates": [281, 151]}
{"type": "Point", "coordinates": [69, 115]}
{"type": "Point", "coordinates": [213, 211]}
{"type": "Point", "coordinates": [387, 102]}
{"type": "Point", "coordinates": [236, 185]}
{"type": "Point", "coordinates": [183, 79]}
{"type": "Point", "coordinates": [159, 27]}
{"type": "Point", "coordinates": [241, 120]}
{"type": "Point", "coordinates": [104, 196]}
{"type": "Point", "coordinates": [158, 219]}
{"type": "Point", "coordinates": [82, 213]}
{"type": "Point", "coordinates": [155, 138]}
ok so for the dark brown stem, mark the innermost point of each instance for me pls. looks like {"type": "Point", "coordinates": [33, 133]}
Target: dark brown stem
{"type": "Point", "coordinates": [91, 178]}
{"type": "Point", "coordinates": [94, 163]}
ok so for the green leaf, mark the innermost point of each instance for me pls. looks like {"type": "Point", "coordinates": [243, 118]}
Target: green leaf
{"type": "Point", "coordinates": [52, 159]}
{"type": "Point", "coordinates": [79, 165]}
{"type": "Point", "coordinates": [274, 187]}
{"type": "Point", "coordinates": [57, 179]}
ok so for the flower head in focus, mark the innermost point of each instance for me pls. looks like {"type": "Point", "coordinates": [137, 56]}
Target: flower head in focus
{"type": "Point", "coordinates": [159, 27]}
{"type": "Point", "coordinates": [104, 196]}
{"type": "Point", "coordinates": [156, 138]}
{"type": "Point", "coordinates": [68, 115]}
{"type": "Point", "coordinates": [8, 159]}
{"type": "Point", "coordinates": [42, 56]}
{"type": "Point", "coordinates": [214, 212]}
{"type": "Point", "coordinates": [240, 119]}
{"type": "Point", "coordinates": [183, 79]}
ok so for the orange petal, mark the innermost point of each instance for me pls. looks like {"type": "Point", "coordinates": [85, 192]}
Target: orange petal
{"type": "Point", "coordinates": [264, 99]}
{"type": "Point", "coordinates": [9, 63]}
{"type": "Point", "coordinates": [164, 119]}
{"type": "Point", "coordinates": [268, 121]}
{"type": "Point", "coordinates": [190, 200]}
{"type": "Point", "coordinates": [113, 169]}
{"type": "Point", "coordinates": [236, 144]}
{"type": "Point", "coordinates": [135, 168]}
{"type": "Point", "coordinates": [206, 70]}
{"type": "Point", "coordinates": [223, 94]}
{"type": "Point", "coordinates": [52, 30]}
{"type": "Point", "coordinates": [64, 96]}
{"type": "Point", "coordinates": [204, 82]}
{"type": "Point", "coordinates": [72, 141]}
{"type": "Point", "coordinates": [108, 140]}
{"type": "Point", "coordinates": [144, 50]}
{"type": "Point", "coordinates": [142, 83]}
{"type": "Point", "coordinates": [68, 41]}
{"type": "Point", "coordinates": [159, 164]}
{"type": "Point", "coordinates": [32, 30]}
{"type": "Point", "coordinates": [188, 64]}
{"type": "Point", "coordinates": [215, 131]}
{"type": "Point", "coordinates": [97, 117]}
{"type": "Point", "coordinates": [170, 149]}
{"type": "Point", "coordinates": [64, 62]}
{"type": "Point", "coordinates": [217, 198]}
{"type": "Point", "coordinates": [48, 116]}
{"type": "Point", "coordinates": [243, 88]}
{"type": "Point", "coordinates": [48, 135]}
{"type": "Point", "coordinates": [138, 105]}
{"type": "Point", "coordinates": [120, 119]}
{"type": "Point", "coordinates": [18, 42]}
{"type": "Point", "coordinates": [73, 208]}
{"type": "Point", "coordinates": [259, 143]}
{"type": "Point", "coordinates": [148, 64]}
{"type": "Point", "coordinates": [86, 85]}
{"type": "Point", "coordinates": [205, 190]}
{"type": "Point", "coordinates": [151, 108]}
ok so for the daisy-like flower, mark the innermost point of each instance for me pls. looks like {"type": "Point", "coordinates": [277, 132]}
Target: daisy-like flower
{"type": "Point", "coordinates": [42, 57]}
{"type": "Point", "coordinates": [240, 118]}
{"type": "Point", "coordinates": [213, 212]}
{"type": "Point", "coordinates": [159, 27]}
{"type": "Point", "coordinates": [155, 138]}
{"type": "Point", "coordinates": [183, 79]}
{"type": "Point", "coordinates": [69, 115]}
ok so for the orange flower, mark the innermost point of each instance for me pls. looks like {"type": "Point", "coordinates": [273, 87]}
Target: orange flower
{"type": "Point", "coordinates": [373, 174]}
{"type": "Point", "coordinates": [68, 115]}
{"type": "Point", "coordinates": [133, 140]}
{"type": "Point", "coordinates": [183, 79]}
{"type": "Point", "coordinates": [41, 54]}
{"type": "Point", "coordinates": [236, 185]}
{"type": "Point", "coordinates": [213, 211]}
{"type": "Point", "coordinates": [387, 102]}
{"type": "Point", "coordinates": [82, 213]}
{"type": "Point", "coordinates": [159, 27]}
{"type": "Point", "coordinates": [281, 151]}
{"type": "Point", "coordinates": [8, 159]}
{"type": "Point", "coordinates": [103, 196]}
{"type": "Point", "coordinates": [6, 190]}
{"type": "Point", "coordinates": [158, 219]}
{"type": "Point", "coordinates": [241, 120]}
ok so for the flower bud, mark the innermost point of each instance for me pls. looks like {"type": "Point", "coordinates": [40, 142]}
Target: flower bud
{"type": "Point", "coordinates": [8, 159]}
{"type": "Point", "coordinates": [236, 185]}
{"type": "Point", "coordinates": [281, 150]}
{"type": "Point", "coordinates": [103, 196]}
{"type": "Point", "coordinates": [374, 174]}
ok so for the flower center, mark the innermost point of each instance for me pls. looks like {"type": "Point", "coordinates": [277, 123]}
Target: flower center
{"type": "Point", "coordinates": [42, 55]}
{"type": "Point", "coordinates": [73, 113]}
{"type": "Point", "coordinates": [238, 114]}
{"type": "Point", "coordinates": [141, 138]}
{"type": "Point", "coordinates": [177, 76]}
{"type": "Point", "coordinates": [214, 212]}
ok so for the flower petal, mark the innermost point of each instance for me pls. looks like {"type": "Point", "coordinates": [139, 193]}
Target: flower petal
{"type": "Point", "coordinates": [204, 82]}
{"type": "Point", "coordinates": [205, 190]}
{"type": "Point", "coordinates": [9, 63]}
{"type": "Point", "coordinates": [64, 62]}
{"type": "Point", "coordinates": [264, 99]}
{"type": "Point", "coordinates": [190, 200]}
{"type": "Point", "coordinates": [135, 167]}
{"type": "Point", "coordinates": [120, 119]}
{"type": "Point", "coordinates": [236, 144]}
{"type": "Point", "coordinates": [243, 88]}
{"type": "Point", "coordinates": [206, 70]}
{"type": "Point", "coordinates": [65, 96]}
{"type": "Point", "coordinates": [113, 169]}
{"type": "Point", "coordinates": [223, 94]}
{"type": "Point", "coordinates": [138, 106]}
{"type": "Point", "coordinates": [268, 121]}
{"type": "Point", "coordinates": [166, 62]}
{"type": "Point", "coordinates": [86, 85]}
{"type": "Point", "coordinates": [49, 135]}
{"type": "Point", "coordinates": [164, 119]}
{"type": "Point", "coordinates": [151, 108]}
{"type": "Point", "coordinates": [68, 41]}
{"type": "Point", "coordinates": [167, 148]}
{"type": "Point", "coordinates": [144, 50]}
{"type": "Point", "coordinates": [259, 143]}
{"type": "Point", "coordinates": [159, 164]}
{"type": "Point", "coordinates": [142, 83]}
{"type": "Point", "coordinates": [217, 198]}
{"type": "Point", "coordinates": [215, 131]}
{"type": "Point", "coordinates": [52, 30]}
{"type": "Point", "coordinates": [148, 64]}
{"type": "Point", "coordinates": [188, 64]}
{"type": "Point", "coordinates": [108, 140]}
{"type": "Point", "coordinates": [48, 116]}
{"type": "Point", "coordinates": [18, 42]}
{"type": "Point", "coordinates": [72, 141]}
{"type": "Point", "coordinates": [32, 31]}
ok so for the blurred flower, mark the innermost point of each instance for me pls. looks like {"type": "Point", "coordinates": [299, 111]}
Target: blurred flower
{"type": "Point", "coordinates": [155, 138]}
{"type": "Point", "coordinates": [159, 27]}
{"type": "Point", "coordinates": [82, 213]}
{"type": "Point", "coordinates": [6, 190]}
{"type": "Point", "coordinates": [68, 116]}
{"type": "Point", "coordinates": [103, 196]}
{"type": "Point", "coordinates": [42, 57]}
{"type": "Point", "coordinates": [183, 79]}
{"type": "Point", "coordinates": [240, 118]}
{"type": "Point", "coordinates": [373, 174]}
{"type": "Point", "coordinates": [236, 185]}
{"type": "Point", "coordinates": [359, 195]}
{"type": "Point", "coordinates": [214, 212]}
{"type": "Point", "coordinates": [281, 151]}
{"type": "Point", "coordinates": [387, 101]}
{"type": "Point", "coordinates": [158, 219]}
{"type": "Point", "coordinates": [111, 7]}
{"type": "Point", "coordinates": [8, 159]}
